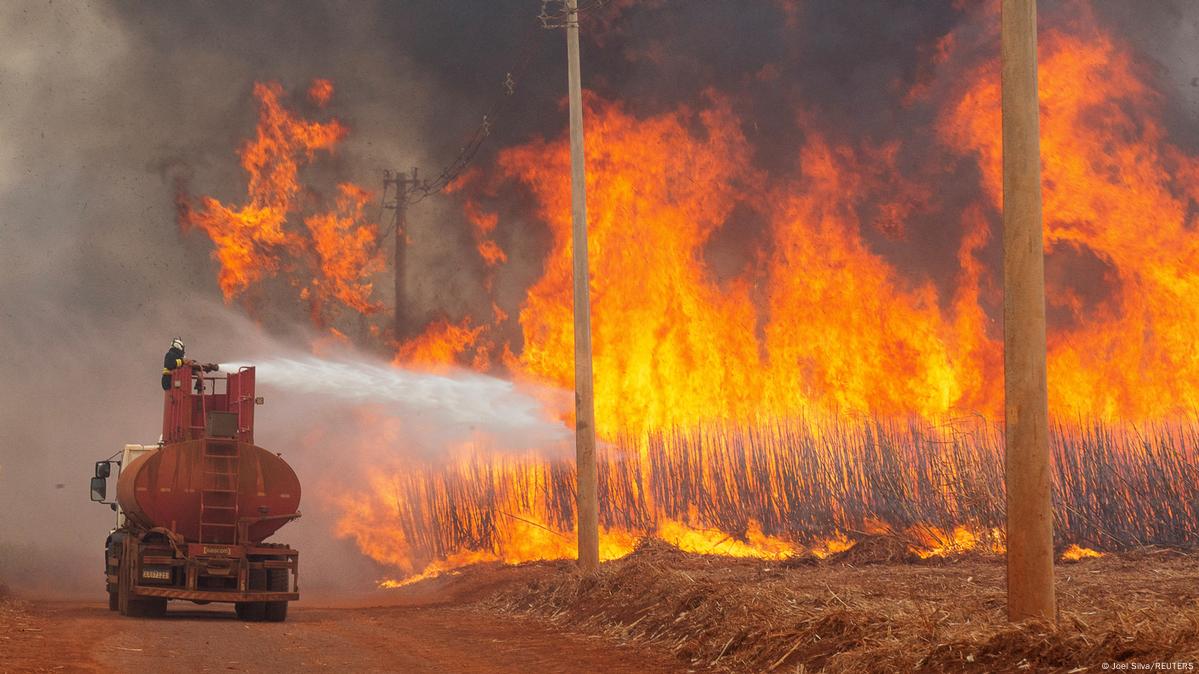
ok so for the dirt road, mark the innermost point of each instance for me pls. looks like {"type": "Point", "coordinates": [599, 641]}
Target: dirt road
{"type": "Point", "coordinates": [75, 636]}
{"type": "Point", "coordinates": [661, 610]}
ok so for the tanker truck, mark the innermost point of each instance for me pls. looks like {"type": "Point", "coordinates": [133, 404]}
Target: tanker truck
{"type": "Point", "coordinates": [195, 509]}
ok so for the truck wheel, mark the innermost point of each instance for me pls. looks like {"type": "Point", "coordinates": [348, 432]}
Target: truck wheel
{"type": "Point", "coordinates": [253, 611]}
{"type": "Point", "coordinates": [154, 607]}
{"type": "Point", "coordinates": [276, 579]}
{"type": "Point", "coordinates": [250, 611]}
{"type": "Point", "coordinates": [147, 607]}
{"type": "Point", "coordinates": [276, 611]}
{"type": "Point", "coordinates": [256, 581]}
{"type": "Point", "coordinates": [134, 608]}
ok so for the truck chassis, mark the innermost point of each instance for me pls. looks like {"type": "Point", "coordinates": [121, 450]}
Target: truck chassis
{"type": "Point", "coordinates": [144, 569]}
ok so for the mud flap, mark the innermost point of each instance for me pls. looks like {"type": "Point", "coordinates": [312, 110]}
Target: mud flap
{"type": "Point", "coordinates": [124, 578]}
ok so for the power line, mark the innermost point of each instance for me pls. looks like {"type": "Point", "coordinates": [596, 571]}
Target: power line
{"type": "Point", "coordinates": [559, 19]}
{"type": "Point", "coordinates": [467, 152]}
{"type": "Point", "coordinates": [416, 192]}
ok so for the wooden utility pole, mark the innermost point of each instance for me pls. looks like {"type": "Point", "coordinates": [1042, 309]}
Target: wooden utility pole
{"type": "Point", "coordinates": [586, 499]}
{"type": "Point", "coordinates": [1029, 484]}
{"type": "Point", "coordinates": [403, 186]}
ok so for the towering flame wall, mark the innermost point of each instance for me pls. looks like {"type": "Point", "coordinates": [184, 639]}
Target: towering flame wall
{"type": "Point", "coordinates": [816, 321]}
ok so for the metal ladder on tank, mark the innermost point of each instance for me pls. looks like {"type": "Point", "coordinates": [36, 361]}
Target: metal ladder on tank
{"type": "Point", "coordinates": [219, 493]}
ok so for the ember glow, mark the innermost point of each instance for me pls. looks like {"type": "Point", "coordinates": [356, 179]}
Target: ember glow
{"type": "Point", "coordinates": [1076, 553]}
{"type": "Point", "coordinates": [821, 392]}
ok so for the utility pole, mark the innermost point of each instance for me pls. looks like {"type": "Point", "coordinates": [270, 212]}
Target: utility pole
{"type": "Point", "coordinates": [1029, 484]}
{"type": "Point", "coordinates": [403, 187]}
{"type": "Point", "coordinates": [587, 504]}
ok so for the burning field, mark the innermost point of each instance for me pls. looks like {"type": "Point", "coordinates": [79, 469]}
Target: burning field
{"type": "Point", "coordinates": [778, 491]}
{"type": "Point", "coordinates": [787, 360]}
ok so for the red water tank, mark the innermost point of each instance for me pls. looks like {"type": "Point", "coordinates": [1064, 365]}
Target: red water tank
{"type": "Point", "coordinates": [205, 489]}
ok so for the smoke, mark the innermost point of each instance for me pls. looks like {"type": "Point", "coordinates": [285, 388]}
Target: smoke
{"type": "Point", "coordinates": [1165, 33]}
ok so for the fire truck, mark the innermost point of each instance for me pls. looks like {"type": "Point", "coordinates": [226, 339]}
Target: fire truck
{"type": "Point", "coordinates": [194, 510]}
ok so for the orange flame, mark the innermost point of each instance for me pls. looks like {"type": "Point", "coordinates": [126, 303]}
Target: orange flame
{"type": "Point", "coordinates": [333, 259]}
{"type": "Point", "coordinates": [828, 547]}
{"type": "Point", "coordinates": [934, 542]}
{"type": "Point", "coordinates": [346, 251]}
{"type": "Point", "coordinates": [1076, 553]}
{"type": "Point", "coordinates": [715, 542]}
{"type": "Point", "coordinates": [320, 92]}
{"type": "Point", "coordinates": [440, 345]}
{"type": "Point", "coordinates": [1117, 191]}
{"type": "Point", "coordinates": [484, 225]}
{"type": "Point", "coordinates": [674, 347]}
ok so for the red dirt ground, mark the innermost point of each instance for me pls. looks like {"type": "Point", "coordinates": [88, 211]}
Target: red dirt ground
{"type": "Point", "coordinates": [660, 610]}
{"type": "Point", "coordinates": [426, 629]}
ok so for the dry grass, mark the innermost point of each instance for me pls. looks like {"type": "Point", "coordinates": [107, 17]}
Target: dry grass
{"type": "Point", "coordinates": [1117, 487]}
{"type": "Point", "coordinates": [838, 616]}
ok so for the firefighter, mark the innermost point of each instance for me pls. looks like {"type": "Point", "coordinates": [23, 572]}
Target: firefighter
{"type": "Point", "coordinates": [173, 360]}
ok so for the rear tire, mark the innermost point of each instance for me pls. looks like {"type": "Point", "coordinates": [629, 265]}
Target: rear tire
{"type": "Point", "coordinates": [147, 607]}
{"type": "Point", "coordinates": [153, 607]}
{"type": "Point", "coordinates": [256, 581]}
{"type": "Point", "coordinates": [250, 611]}
{"type": "Point", "coordinates": [253, 611]}
{"type": "Point", "coordinates": [276, 579]}
{"type": "Point", "coordinates": [276, 611]}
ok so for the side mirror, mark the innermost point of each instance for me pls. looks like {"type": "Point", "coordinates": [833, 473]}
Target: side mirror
{"type": "Point", "coordinates": [103, 469]}
{"type": "Point", "coordinates": [99, 489]}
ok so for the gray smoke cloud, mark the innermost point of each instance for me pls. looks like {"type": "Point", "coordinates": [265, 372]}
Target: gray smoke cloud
{"type": "Point", "coordinates": [1165, 35]}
